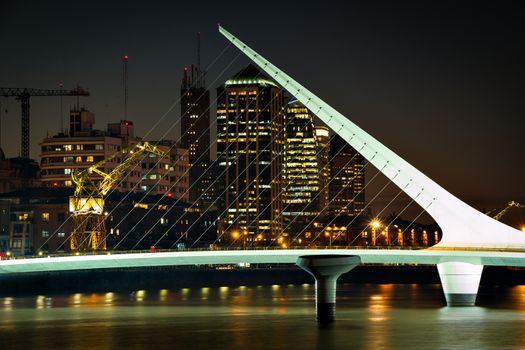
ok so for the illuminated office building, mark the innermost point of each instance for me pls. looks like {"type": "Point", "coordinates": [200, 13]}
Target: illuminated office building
{"type": "Point", "coordinates": [305, 168]}
{"type": "Point", "coordinates": [347, 179]}
{"type": "Point", "coordinates": [250, 149]}
{"type": "Point", "coordinates": [322, 135]}
{"type": "Point", "coordinates": [195, 133]}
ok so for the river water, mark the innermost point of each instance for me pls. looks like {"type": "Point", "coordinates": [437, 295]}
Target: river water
{"type": "Point", "coordinates": [369, 316]}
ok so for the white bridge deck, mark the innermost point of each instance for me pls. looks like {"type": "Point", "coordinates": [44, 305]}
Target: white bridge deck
{"type": "Point", "coordinates": [285, 256]}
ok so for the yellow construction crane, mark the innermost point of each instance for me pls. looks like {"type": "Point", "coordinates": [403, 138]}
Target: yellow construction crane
{"type": "Point", "coordinates": [510, 204]}
{"type": "Point", "coordinates": [87, 203]}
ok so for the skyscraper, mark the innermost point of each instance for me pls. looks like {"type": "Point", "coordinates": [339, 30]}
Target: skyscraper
{"type": "Point", "coordinates": [195, 132]}
{"type": "Point", "coordinates": [347, 178]}
{"type": "Point", "coordinates": [249, 146]}
{"type": "Point", "coordinates": [305, 168]}
{"type": "Point", "coordinates": [322, 135]}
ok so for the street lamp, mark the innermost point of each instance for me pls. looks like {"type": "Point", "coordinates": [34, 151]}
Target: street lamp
{"type": "Point", "coordinates": [327, 234]}
{"type": "Point", "coordinates": [235, 235]}
{"type": "Point", "coordinates": [375, 223]}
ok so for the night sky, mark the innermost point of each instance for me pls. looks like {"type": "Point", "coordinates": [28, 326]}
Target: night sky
{"type": "Point", "coordinates": [442, 83]}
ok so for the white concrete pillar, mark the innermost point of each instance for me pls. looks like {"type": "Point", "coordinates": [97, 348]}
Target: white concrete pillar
{"type": "Point", "coordinates": [326, 269]}
{"type": "Point", "coordinates": [460, 282]}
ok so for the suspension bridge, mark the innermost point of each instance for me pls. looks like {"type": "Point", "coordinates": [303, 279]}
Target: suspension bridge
{"type": "Point", "coordinates": [470, 239]}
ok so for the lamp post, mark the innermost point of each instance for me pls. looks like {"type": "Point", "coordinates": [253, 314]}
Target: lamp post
{"type": "Point", "coordinates": [244, 236]}
{"type": "Point", "coordinates": [327, 234]}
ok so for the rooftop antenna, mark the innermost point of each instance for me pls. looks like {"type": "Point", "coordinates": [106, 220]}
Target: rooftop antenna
{"type": "Point", "coordinates": [78, 98]}
{"type": "Point", "coordinates": [1, 110]}
{"type": "Point", "coordinates": [125, 83]}
{"type": "Point", "coordinates": [199, 50]}
{"type": "Point", "coordinates": [61, 85]}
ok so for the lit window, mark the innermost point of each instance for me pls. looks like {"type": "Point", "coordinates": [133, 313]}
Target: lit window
{"type": "Point", "coordinates": [68, 183]}
{"type": "Point", "coordinates": [61, 234]}
{"type": "Point", "coordinates": [67, 171]}
{"type": "Point", "coordinates": [78, 159]}
{"type": "Point", "coordinates": [89, 159]}
{"type": "Point", "coordinates": [68, 147]}
{"type": "Point", "coordinates": [45, 233]}
{"type": "Point", "coordinates": [45, 216]}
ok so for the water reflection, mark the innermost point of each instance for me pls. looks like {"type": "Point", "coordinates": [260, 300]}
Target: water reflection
{"type": "Point", "coordinates": [224, 292]}
{"type": "Point", "coordinates": [204, 293]}
{"type": "Point", "coordinates": [140, 295]}
{"type": "Point", "coordinates": [77, 299]}
{"type": "Point", "coordinates": [109, 298]}
{"type": "Point", "coordinates": [262, 317]}
{"type": "Point", "coordinates": [163, 294]}
{"type": "Point", "coordinates": [8, 303]}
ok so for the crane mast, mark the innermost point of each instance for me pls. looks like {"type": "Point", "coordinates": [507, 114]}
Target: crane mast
{"type": "Point", "coordinates": [91, 185]}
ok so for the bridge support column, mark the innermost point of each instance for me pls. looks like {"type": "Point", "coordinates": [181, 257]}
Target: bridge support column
{"type": "Point", "coordinates": [326, 269]}
{"type": "Point", "coordinates": [460, 282]}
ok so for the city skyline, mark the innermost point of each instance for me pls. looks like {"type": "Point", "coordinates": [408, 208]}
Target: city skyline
{"type": "Point", "coordinates": [453, 84]}
{"type": "Point", "coordinates": [245, 174]}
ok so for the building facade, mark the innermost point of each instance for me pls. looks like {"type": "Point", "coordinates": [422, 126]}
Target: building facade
{"type": "Point", "coordinates": [167, 176]}
{"type": "Point", "coordinates": [347, 179]}
{"type": "Point", "coordinates": [37, 220]}
{"type": "Point", "coordinates": [85, 146]}
{"type": "Point", "coordinates": [195, 134]}
{"type": "Point", "coordinates": [17, 173]}
{"type": "Point", "coordinates": [305, 169]}
{"type": "Point", "coordinates": [62, 154]}
{"type": "Point", "coordinates": [250, 142]}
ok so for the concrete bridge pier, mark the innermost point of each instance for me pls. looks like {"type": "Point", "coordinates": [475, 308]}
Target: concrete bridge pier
{"type": "Point", "coordinates": [326, 269]}
{"type": "Point", "coordinates": [460, 282]}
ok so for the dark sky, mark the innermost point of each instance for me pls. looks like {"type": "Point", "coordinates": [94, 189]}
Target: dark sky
{"type": "Point", "coordinates": [440, 82]}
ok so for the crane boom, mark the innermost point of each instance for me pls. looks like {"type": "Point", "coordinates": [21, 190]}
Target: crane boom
{"type": "Point", "coordinates": [23, 95]}
{"type": "Point", "coordinates": [17, 92]}
{"type": "Point", "coordinates": [87, 202]}
{"type": "Point", "coordinates": [510, 204]}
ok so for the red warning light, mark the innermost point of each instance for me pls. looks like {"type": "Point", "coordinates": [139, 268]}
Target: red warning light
{"type": "Point", "coordinates": [125, 57]}
{"type": "Point", "coordinates": [55, 184]}
{"type": "Point", "coordinates": [169, 194]}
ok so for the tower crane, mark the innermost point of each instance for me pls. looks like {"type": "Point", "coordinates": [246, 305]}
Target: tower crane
{"type": "Point", "coordinates": [504, 211]}
{"type": "Point", "coordinates": [87, 203]}
{"type": "Point", "coordinates": [23, 95]}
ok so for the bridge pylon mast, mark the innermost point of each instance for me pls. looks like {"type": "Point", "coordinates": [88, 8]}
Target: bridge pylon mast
{"type": "Point", "coordinates": [462, 225]}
